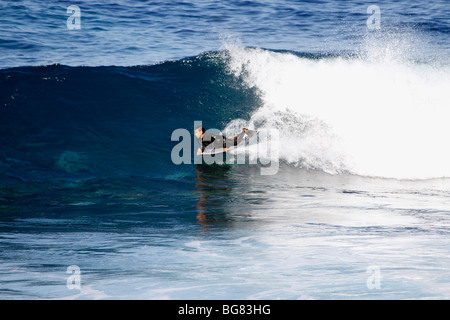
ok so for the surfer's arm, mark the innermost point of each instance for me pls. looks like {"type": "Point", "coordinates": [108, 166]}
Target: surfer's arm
{"type": "Point", "coordinates": [235, 136]}
{"type": "Point", "coordinates": [199, 151]}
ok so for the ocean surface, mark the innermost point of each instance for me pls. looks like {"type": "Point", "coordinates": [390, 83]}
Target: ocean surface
{"type": "Point", "coordinates": [351, 106]}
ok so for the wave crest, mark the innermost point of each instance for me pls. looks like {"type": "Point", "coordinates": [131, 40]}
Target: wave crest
{"type": "Point", "coordinates": [383, 117]}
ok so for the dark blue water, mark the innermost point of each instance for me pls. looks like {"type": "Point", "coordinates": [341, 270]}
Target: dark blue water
{"type": "Point", "coordinates": [146, 32]}
{"type": "Point", "coordinates": [87, 177]}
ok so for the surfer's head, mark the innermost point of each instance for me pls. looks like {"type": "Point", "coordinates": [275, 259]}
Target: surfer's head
{"type": "Point", "coordinates": [199, 131]}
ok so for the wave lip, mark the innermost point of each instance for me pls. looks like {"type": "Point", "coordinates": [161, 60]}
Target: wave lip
{"type": "Point", "coordinates": [373, 117]}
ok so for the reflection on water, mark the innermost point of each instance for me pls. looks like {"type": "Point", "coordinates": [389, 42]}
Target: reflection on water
{"type": "Point", "coordinates": [214, 189]}
{"type": "Point", "coordinates": [229, 194]}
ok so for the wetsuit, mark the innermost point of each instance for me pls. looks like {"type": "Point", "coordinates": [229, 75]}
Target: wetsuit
{"type": "Point", "coordinates": [212, 140]}
{"type": "Point", "coordinates": [217, 141]}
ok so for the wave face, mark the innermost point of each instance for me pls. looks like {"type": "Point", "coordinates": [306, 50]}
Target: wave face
{"type": "Point", "coordinates": [59, 122]}
{"type": "Point", "coordinates": [360, 114]}
{"type": "Point", "coordinates": [370, 114]}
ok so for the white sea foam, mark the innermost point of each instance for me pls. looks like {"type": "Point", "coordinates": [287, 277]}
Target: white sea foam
{"type": "Point", "coordinates": [373, 115]}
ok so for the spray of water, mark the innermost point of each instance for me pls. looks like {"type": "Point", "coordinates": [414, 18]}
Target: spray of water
{"type": "Point", "coordinates": [374, 114]}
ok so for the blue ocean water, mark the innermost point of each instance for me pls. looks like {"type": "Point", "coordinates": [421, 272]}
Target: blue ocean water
{"type": "Point", "coordinates": [358, 207]}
